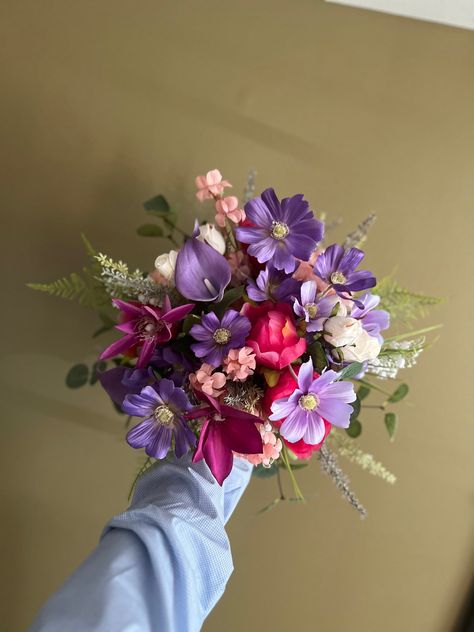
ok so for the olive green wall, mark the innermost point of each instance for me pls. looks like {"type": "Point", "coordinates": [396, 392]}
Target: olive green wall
{"type": "Point", "coordinates": [107, 103]}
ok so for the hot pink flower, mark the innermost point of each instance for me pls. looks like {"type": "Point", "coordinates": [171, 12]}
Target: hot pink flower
{"type": "Point", "coordinates": [271, 447]}
{"type": "Point", "coordinates": [208, 382]}
{"type": "Point", "coordinates": [273, 336]}
{"type": "Point", "coordinates": [229, 207]}
{"type": "Point", "coordinates": [210, 185]}
{"type": "Point", "coordinates": [240, 363]}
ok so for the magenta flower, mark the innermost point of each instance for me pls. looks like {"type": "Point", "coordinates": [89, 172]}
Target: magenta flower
{"type": "Point", "coordinates": [281, 232]}
{"type": "Point", "coordinates": [314, 401]}
{"type": "Point", "coordinates": [145, 326]}
{"type": "Point", "coordinates": [225, 430]}
{"type": "Point", "coordinates": [163, 408]}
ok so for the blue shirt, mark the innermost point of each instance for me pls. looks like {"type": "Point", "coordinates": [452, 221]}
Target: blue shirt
{"type": "Point", "coordinates": [162, 565]}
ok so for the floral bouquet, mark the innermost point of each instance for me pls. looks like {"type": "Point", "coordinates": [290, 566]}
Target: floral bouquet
{"type": "Point", "coordinates": [250, 339]}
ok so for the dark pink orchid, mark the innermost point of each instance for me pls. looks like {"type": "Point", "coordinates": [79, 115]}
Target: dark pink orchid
{"type": "Point", "coordinates": [145, 326]}
{"type": "Point", "coordinates": [226, 430]}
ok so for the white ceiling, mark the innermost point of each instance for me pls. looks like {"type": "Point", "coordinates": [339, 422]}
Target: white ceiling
{"type": "Point", "coordinates": [453, 12]}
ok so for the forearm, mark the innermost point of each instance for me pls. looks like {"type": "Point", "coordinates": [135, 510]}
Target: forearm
{"type": "Point", "coordinates": [162, 564]}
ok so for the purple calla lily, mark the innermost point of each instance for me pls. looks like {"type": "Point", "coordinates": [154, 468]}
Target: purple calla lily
{"type": "Point", "coordinates": [201, 273]}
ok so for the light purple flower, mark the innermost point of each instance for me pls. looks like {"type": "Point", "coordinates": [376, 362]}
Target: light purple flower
{"type": "Point", "coordinates": [273, 285]}
{"type": "Point", "coordinates": [163, 407]}
{"type": "Point", "coordinates": [216, 337]}
{"type": "Point", "coordinates": [282, 232]}
{"type": "Point", "coordinates": [201, 273]}
{"type": "Point", "coordinates": [313, 401]}
{"type": "Point", "coordinates": [314, 311]}
{"type": "Point", "coordinates": [145, 326]}
{"type": "Point", "coordinates": [338, 267]}
{"type": "Point", "coordinates": [373, 320]}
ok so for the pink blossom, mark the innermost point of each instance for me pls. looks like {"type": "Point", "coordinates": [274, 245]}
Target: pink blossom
{"type": "Point", "coordinates": [305, 272]}
{"type": "Point", "coordinates": [239, 264]}
{"type": "Point", "coordinates": [240, 363]}
{"type": "Point", "coordinates": [210, 185]}
{"type": "Point", "coordinates": [229, 207]}
{"type": "Point", "coordinates": [271, 447]}
{"type": "Point", "coordinates": [208, 382]}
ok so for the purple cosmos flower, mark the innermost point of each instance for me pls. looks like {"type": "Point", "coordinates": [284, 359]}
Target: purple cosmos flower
{"type": "Point", "coordinates": [281, 232]}
{"type": "Point", "coordinates": [373, 320]}
{"type": "Point", "coordinates": [338, 267]}
{"type": "Point", "coordinates": [163, 407]}
{"type": "Point", "coordinates": [273, 285]}
{"type": "Point", "coordinates": [314, 311]}
{"type": "Point", "coordinates": [202, 273]}
{"type": "Point", "coordinates": [216, 337]}
{"type": "Point", "coordinates": [313, 401]}
{"type": "Point", "coordinates": [225, 430]}
{"type": "Point", "coordinates": [145, 326]}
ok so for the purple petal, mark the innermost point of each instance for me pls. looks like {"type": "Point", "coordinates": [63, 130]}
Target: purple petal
{"type": "Point", "coordinates": [184, 439]}
{"type": "Point", "coordinates": [242, 436]}
{"type": "Point", "coordinates": [177, 313]}
{"type": "Point", "coordinates": [350, 260]}
{"type": "Point", "coordinates": [264, 249]}
{"type": "Point", "coordinates": [142, 434]}
{"type": "Point", "coordinates": [258, 213]}
{"type": "Point", "coordinates": [217, 454]}
{"type": "Point", "coordinates": [315, 430]}
{"type": "Point", "coordinates": [323, 380]}
{"type": "Point", "coordinates": [283, 259]}
{"type": "Point", "coordinates": [135, 311]}
{"type": "Point", "coordinates": [250, 235]}
{"type": "Point", "coordinates": [294, 426]}
{"type": "Point", "coordinates": [328, 261]}
{"type": "Point", "coordinates": [336, 412]}
{"type": "Point", "coordinates": [161, 443]}
{"type": "Point", "coordinates": [342, 390]}
{"type": "Point", "coordinates": [305, 376]}
{"type": "Point", "coordinates": [273, 204]}
{"type": "Point", "coordinates": [201, 274]}
{"type": "Point", "coordinates": [308, 292]}
{"type": "Point", "coordinates": [360, 280]}
{"type": "Point", "coordinates": [281, 408]}
{"type": "Point", "coordinates": [149, 345]}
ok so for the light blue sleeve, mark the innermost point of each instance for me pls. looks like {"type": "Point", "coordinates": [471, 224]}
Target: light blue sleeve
{"type": "Point", "coordinates": [162, 565]}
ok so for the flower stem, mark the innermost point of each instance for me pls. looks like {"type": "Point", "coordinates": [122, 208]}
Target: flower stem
{"type": "Point", "coordinates": [280, 486]}
{"type": "Point", "coordinates": [286, 461]}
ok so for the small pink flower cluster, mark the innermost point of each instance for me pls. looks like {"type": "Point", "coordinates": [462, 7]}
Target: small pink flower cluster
{"type": "Point", "coordinates": [239, 365]}
{"type": "Point", "coordinates": [212, 186]}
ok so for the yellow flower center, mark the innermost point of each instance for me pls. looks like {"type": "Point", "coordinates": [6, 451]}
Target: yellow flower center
{"type": "Point", "coordinates": [338, 277]}
{"type": "Point", "coordinates": [164, 416]}
{"type": "Point", "coordinates": [279, 230]}
{"type": "Point", "coordinates": [221, 336]}
{"type": "Point", "coordinates": [312, 309]}
{"type": "Point", "coordinates": [308, 402]}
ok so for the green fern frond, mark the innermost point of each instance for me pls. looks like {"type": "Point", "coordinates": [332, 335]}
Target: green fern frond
{"type": "Point", "coordinates": [68, 287]}
{"type": "Point", "coordinates": [401, 303]}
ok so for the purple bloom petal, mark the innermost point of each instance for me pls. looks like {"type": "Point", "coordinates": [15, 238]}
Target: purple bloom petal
{"type": "Point", "coordinates": [308, 292]}
{"type": "Point", "coordinates": [350, 260]}
{"type": "Point", "coordinates": [118, 347]}
{"type": "Point", "coordinates": [335, 411]}
{"type": "Point", "coordinates": [202, 273]}
{"type": "Point", "coordinates": [305, 376]}
{"type": "Point", "coordinates": [281, 408]}
{"type": "Point", "coordinates": [294, 426]}
{"type": "Point", "coordinates": [161, 443]}
{"type": "Point", "coordinates": [315, 429]}
{"type": "Point", "coordinates": [184, 439]}
{"type": "Point", "coordinates": [216, 338]}
{"type": "Point", "coordinates": [142, 434]}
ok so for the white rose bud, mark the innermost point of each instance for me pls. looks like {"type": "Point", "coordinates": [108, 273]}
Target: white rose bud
{"type": "Point", "coordinates": [213, 237]}
{"type": "Point", "coordinates": [166, 264]}
{"type": "Point", "coordinates": [342, 330]}
{"type": "Point", "coordinates": [365, 347]}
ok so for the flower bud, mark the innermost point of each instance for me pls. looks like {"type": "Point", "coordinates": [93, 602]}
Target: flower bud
{"type": "Point", "coordinates": [210, 235]}
{"type": "Point", "coordinates": [166, 264]}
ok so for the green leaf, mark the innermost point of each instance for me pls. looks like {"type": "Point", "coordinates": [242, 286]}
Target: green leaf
{"type": "Point", "coordinates": [189, 321]}
{"type": "Point", "coordinates": [157, 205]}
{"type": "Point", "coordinates": [354, 429]}
{"type": "Point", "coordinates": [350, 371]}
{"type": "Point", "coordinates": [108, 323]}
{"type": "Point", "coordinates": [97, 367]}
{"type": "Point", "coordinates": [391, 422]}
{"type": "Point", "coordinates": [77, 376]}
{"type": "Point", "coordinates": [363, 392]}
{"type": "Point", "coordinates": [230, 296]}
{"type": "Point", "coordinates": [399, 393]}
{"type": "Point", "coordinates": [264, 472]}
{"type": "Point", "coordinates": [150, 230]}
{"type": "Point", "coordinates": [355, 408]}
{"type": "Point", "coordinates": [318, 357]}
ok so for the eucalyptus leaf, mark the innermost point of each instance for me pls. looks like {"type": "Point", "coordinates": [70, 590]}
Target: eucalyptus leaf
{"type": "Point", "coordinates": [189, 321]}
{"type": "Point", "coordinates": [150, 230]}
{"type": "Point", "coordinates": [97, 367]}
{"type": "Point", "coordinates": [363, 392]}
{"type": "Point", "coordinates": [355, 408]}
{"type": "Point", "coordinates": [354, 429]}
{"type": "Point", "coordinates": [399, 393]}
{"type": "Point", "coordinates": [391, 422]}
{"type": "Point", "coordinates": [157, 204]}
{"type": "Point", "coordinates": [77, 376]}
{"type": "Point", "coordinates": [351, 371]}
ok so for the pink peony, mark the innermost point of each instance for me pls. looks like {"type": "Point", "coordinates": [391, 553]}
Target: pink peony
{"type": "Point", "coordinates": [208, 382]}
{"type": "Point", "coordinates": [271, 447]}
{"type": "Point", "coordinates": [273, 336]}
{"type": "Point", "coordinates": [228, 207]}
{"type": "Point", "coordinates": [240, 363]}
{"type": "Point", "coordinates": [210, 185]}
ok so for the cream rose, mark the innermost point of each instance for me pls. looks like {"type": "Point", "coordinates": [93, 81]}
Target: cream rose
{"type": "Point", "coordinates": [365, 347]}
{"type": "Point", "coordinates": [342, 330]}
{"type": "Point", "coordinates": [166, 264]}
